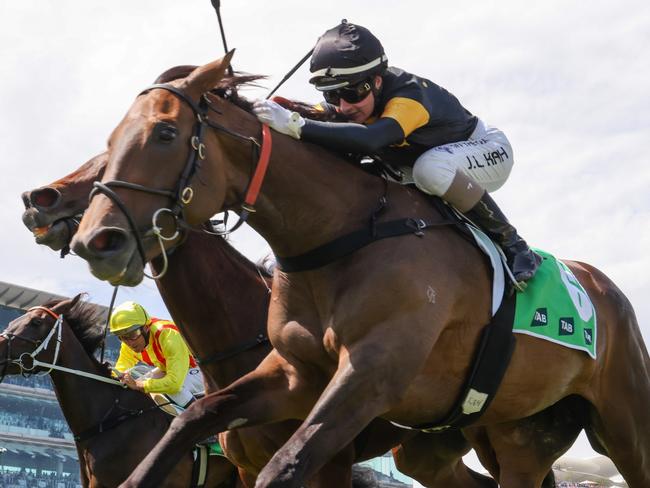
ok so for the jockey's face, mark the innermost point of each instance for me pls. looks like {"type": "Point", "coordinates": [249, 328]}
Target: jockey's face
{"type": "Point", "coordinates": [136, 340]}
{"type": "Point", "coordinates": [361, 111]}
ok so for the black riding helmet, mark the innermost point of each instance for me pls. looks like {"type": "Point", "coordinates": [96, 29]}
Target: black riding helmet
{"type": "Point", "coordinates": [345, 55]}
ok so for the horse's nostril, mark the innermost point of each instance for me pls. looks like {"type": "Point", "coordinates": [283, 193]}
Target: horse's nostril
{"type": "Point", "coordinates": [108, 240]}
{"type": "Point", "coordinates": [45, 197]}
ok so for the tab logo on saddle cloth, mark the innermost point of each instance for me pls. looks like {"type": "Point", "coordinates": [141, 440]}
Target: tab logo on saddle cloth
{"type": "Point", "coordinates": [540, 318]}
{"type": "Point", "coordinates": [566, 326]}
{"type": "Point", "coordinates": [555, 307]}
{"type": "Point", "coordinates": [588, 336]}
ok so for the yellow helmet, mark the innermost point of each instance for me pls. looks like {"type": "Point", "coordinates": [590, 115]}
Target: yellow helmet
{"type": "Point", "coordinates": [127, 317]}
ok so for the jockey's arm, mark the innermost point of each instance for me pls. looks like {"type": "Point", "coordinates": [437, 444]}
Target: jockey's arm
{"type": "Point", "coordinates": [126, 360]}
{"type": "Point", "coordinates": [176, 356]}
{"type": "Point", "coordinates": [354, 138]}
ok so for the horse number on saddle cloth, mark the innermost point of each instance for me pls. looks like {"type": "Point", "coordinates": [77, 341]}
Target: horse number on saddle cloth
{"type": "Point", "coordinates": [556, 307]}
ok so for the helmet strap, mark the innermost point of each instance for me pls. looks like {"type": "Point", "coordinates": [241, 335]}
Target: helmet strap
{"type": "Point", "coordinates": [376, 91]}
{"type": "Point", "coordinates": [146, 333]}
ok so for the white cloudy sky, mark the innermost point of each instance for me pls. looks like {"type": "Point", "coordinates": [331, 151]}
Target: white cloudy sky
{"type": "Point", "coordinates": [568, 81]}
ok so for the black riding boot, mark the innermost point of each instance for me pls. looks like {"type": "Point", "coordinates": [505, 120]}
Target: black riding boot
{"type": "Point", "coordinates": [488, 216]}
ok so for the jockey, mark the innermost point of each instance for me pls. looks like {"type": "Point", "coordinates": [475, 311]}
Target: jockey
{"type": "Point", "coordinates": [157, 343]}
{"type": "Point", "coordinates": [410, 123]}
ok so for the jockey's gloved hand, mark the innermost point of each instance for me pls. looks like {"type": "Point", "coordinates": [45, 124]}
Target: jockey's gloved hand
{"type": "Point", "coordinates": [279, 118]}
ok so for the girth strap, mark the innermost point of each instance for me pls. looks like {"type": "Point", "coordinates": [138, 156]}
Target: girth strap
{"type": "Point", "coordinates": [489, 365]}
{"type": "Point", "coordinates": [349, 243]}
{"type": "Point", "coordinates": [200, 466]}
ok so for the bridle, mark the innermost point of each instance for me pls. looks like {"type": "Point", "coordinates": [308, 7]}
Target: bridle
{"type": "Point", "coordinates": [183, 193]}
{"type": "Point", "coordinates": [42, 345]}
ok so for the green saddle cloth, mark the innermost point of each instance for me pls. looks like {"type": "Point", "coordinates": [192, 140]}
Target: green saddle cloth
{"type": "Point", "coordinates": [215, 449]}
{"type": "Point", "coordinates": [555, 307]}
{"type": "Point", "coordinates": [212, 445]}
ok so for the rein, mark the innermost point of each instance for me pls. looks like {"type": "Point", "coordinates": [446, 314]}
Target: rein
{"type": "Point", "coordinates": [183, 194]}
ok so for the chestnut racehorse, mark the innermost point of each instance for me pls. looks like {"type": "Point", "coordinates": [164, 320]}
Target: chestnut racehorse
{"type": "Point", "coordinates": [114, 427]}
{"type": "Point", "coordinates": [225, 277]}
{"type": "Point", "coordinates": [385, 331]}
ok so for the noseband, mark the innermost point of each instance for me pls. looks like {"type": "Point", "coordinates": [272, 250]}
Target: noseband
{"type": "Point", "coordinates": [183, 193]}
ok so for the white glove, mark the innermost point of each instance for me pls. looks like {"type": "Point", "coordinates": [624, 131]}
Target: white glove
{"type": "Point", "coordinates": [279, 118]}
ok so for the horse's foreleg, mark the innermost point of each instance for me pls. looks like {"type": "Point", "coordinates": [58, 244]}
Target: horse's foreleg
{"type": "Point", "coordinates": [337, 472]}
{"type": "Point", "coordinates": [261, 396]}
{"type": "Point", "coordinates": [84, 471]}
{"type": "Point", "coordinates": [246, 480]}
{"type": "Point", "coordinates": [524, 450]}
{"type": "Point", "coordinates": [362, 388]}
{"type": "Point", "coordinates": [436, 461]}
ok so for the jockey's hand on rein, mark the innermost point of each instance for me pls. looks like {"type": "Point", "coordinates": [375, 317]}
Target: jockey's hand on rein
{"type": "Point", "coordinates": [279, 118]}
{"type": "Point", "coordinates": [128, 380]}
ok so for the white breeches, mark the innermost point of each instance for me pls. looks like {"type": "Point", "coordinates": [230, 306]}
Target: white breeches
{"type": "Point", "coordinates": [193, 384]}
{"type": "Point", "coordinates": [486, 157]}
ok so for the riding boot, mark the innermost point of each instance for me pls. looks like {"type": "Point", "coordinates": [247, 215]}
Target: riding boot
{"type": "Point", "coordinates": [472, 200]}
{"type": "Point", "coordinates": [522, 260]}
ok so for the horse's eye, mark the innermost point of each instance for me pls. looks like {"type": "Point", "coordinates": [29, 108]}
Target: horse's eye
{"type": "Point", "coordinates": [37, 322]}
{"type": "Point", "coordinates": [167, 133]}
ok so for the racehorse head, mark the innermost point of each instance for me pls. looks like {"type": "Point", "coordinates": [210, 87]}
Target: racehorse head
{"type": "Point", "coordinates": [50, 211]}
{"type": "Point", "coordinates": [37, 335]}
{"type": "Point", "coordinates": [153, 168]}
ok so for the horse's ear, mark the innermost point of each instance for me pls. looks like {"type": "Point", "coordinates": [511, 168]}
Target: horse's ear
{"type": "Point", "coordinates": [65, 306]}
{"type": "Point", "coordinates": [206, 77]}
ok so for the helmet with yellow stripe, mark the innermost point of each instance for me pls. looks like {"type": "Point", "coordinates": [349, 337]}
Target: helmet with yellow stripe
{"type": "Point", "coordinates": [127, 317]}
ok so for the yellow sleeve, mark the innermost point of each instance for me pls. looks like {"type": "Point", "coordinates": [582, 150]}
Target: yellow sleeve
{"type": "Point", "coordinates": [409, 114]}
{"type": "Point", "coordinates": [177, 357]}
{"type": "Point", "coordinates": [126, 360]}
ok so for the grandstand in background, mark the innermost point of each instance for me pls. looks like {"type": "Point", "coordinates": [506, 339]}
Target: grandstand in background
{"type": "Point", "coordinates": [36, 446]}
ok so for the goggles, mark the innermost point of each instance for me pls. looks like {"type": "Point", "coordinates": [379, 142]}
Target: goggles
{"type": "Point", "coordinates": [351, 94]}
{"type": "Point", "coordinates": [130, 336]}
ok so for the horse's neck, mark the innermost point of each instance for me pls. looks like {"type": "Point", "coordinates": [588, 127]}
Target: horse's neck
{"type": "Point", "coordinates": [308, 196]}
{"type": "Point", "coordinates": [84, 401]}
{"type": "Point", "coordinates": [218, 301]}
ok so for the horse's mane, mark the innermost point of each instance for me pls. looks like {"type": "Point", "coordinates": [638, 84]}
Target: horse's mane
{"type": "Point", "coordinates": [228, 89]}
{"type": "Point", "coordinates": [86, 322]}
